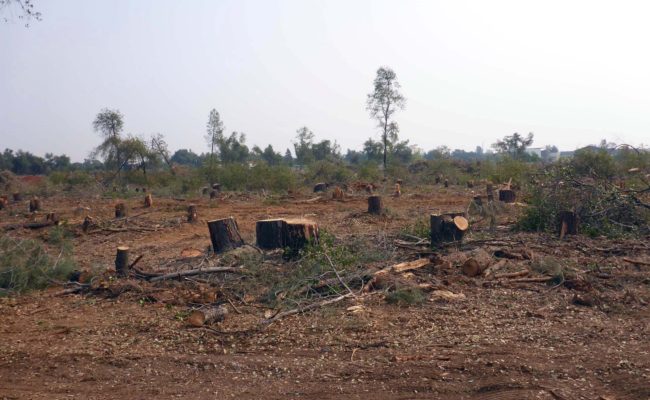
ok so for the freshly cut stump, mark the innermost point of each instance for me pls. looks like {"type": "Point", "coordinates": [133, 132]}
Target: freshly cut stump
{"type": "Point", "coordinates": [337, 194]}
{"type": "Point", "coordinates": [216, 186]}
{"type": "Point", "coordinates": [34, 204]}
{"type": "Point", "coordinates": [207, 315]}
{"type": "Point", "coordinates": [449, 227]}
{"type": "Point", "coordinates": [507, 195]}
{"type": "Point", "coordinates": [213, 194]}
{"type": "Point", "coordinates": [490, 192]}
{"type": "Point", "coordinates": [478, 262]}
{"type": "Point", "coordinates": [122, 261]}
{"type": "Point", "coordinates": [17, 196]}
{"type": "Point", "coordinates": [271, 233]}
{"type": "Point", "coordinates": [320, 187]}
{"type": "Point", "coordinates": [446, 183]}
{"type": "Point", "coordinates": [299, 232]}
{"type": "Point", "coordinates": [224, 234]}
{"type": "Point", "coordinates": [374, 205]}
{"type": "Point", "coordinates": [568, 223]}
{"type": "Point", "coordinates": [192, 215]}
{"type": "Point", "coordinates": [120, 210]}
{"type": "Point", "coordinates": [148, 200]}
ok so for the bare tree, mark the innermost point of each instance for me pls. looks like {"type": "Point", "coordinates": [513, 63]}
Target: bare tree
{"type": "Point", "coordinates": [159, 146]}
{"type": "Point", "coordinates": [382, 103]}
{"type": "Point", "coordinates": [23, 8]}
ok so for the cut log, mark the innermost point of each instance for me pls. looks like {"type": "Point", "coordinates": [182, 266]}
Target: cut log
{"type": "Point", "coordinates": [374, 205]}
{"type": "Point", "coordinates": [409, 265]}
{"type": "Point", "coordinates": [446, 183]}
{"type": "Point", "coordinates": [192, 215]}
{"type": "Point", "coordinates": [477, 263]}
{"type": "Point", "coordinates": [122, 261]}
{"type": "Point", "coordinates": [449, 227]}
{"type": "Point", "coordinates": [207, 315]}
{"type": "Point", "coordinates": [34, 204]}
{"type": "Point", "coordinates": [299, 232]}
{"type": "Point", "coordinates": [216, 187]}
{"type": "Point", "coordinates": [270, 233]}
{"type": "Point", "coordinates": [148, 200]}
{"type": "Point", "coordinates": [213, 194]}
{"type": "Point", "coordinates": [224, 234]}
{"type": "Point", "coordinates": [568, 223]}
{"type": "Point", "coordinates": [320, 187]}
{"type": "Point", "coordinates": [17, 197]}
{"type": "Point", "coordinates": [507, 195]}
{"type": "Point", "coordinates": [398, 190]}
{"type": "Point", "coordinates": [120, 210]}
{"type": "Point", "coordinates": [338, 194]}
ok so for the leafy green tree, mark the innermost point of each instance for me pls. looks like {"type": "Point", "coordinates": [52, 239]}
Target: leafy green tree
{"type": "Point", "coordinates": [514, 145]}
{"type": "Point", "coordinates": [109, 124]}
{"type": "Point", "coordinates": [158, 147]}
{"type": "Point", "coordinates": [270, 156]}
{"type": "Point", "coordinates": [383, 102]}
{"type": "Point", "coordinates": [288, 158]}
{"type": "Point", "coordinates": [214, 132]}
{"type": "Point", "coordinates": [233, 149]}
{"type": "Point", "coordinates": [186, 157]}
{"type": "Point", "coordinates": [303, 146]}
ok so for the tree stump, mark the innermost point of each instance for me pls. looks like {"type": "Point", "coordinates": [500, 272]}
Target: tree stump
{"type": "Point", "coordinates": [224, 234]}
{"type": "Point", "coordinates": [122, 261]}
{"type": "Point", "coordinates": [470, 184]}
{"type": "Point", "coordinates": [17, 197]}
{"type": "Point", "coordinates": [271, 233]}
{"type": "Point", "coordinates": [205, 190]}
{"type": "Point", "coordinates": [374, 205]}
{"type": "Point", "coordinates": [52, 217]}
{"type": "Point", "coordinates": [148, 200]}
{"type": "Point", "coordinates": [216, 186]}
{"type": "Point", "coordinates": [207, 315]}
{"type": "Point", "coordinates": [320, 187]}
{"type": "Point", "coordinates": [507, 195]}
{"type": "Point", "coordinates": [398, 190]}
{"type": "Point", "coordinates": [338, 194]}
{"type": "Point", "coordinates": [448, 227]}
{"type": "Point", "coordinates": [213, 194]}
{"type": "Point", "coordinates": [86, 224]}
{"type": "Point", "coordinates": [299, 232]}
{"type": "Point", "coordinates": [192, 215]}
{"type": "Point", "coordinates": [437, 180]}
{"type": "Point", "coordinates": [3, 203]}
{"type": "Point", "coordinates": [478, 201]}
{"type": "Point", "coordinates": [490, 192]}
{"type": "Point", "coordinates": [34, 204]}
{"type": "Point", "coordinates": [446, 183]}
{"type": "Point", "coordinates": [568, 223]}
{"type": "Point", "coordinates": [120, 210]}
{"type": "Point", "coordinates": [478, 262]}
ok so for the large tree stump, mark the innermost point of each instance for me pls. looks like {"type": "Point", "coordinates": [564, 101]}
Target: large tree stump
{"type": "Point", "coordinates": [148, 200]}
{"type": "Point", "coordinates": [207, 315]}
{"type": "Point", "coordinates": [213, 194]}
{"type": "Point", "coordinates": [374, 205]}
{"type": "Point", "coordinates": [120, 210]}
{"type": "Point", "coordinates": [398, 190]}
{"type": "Point", "coordinates": [205, 190]}
{"type": "Point", "coordinates": [320, 187]}
{"type": "Point", "coordinates": [271, 233]}
{"type": "Point", "coordinates": [299, 232]}
{"type": "Point", "coordinates": [216, 186]}
{"type": "Point", "coordinates": [568, 223]}
{"type": "Point", "coordinates": [34, 204]}
{"type": "Point", "coordinates": [122, 261]}
{"type": "Point", "coordinates": [224, 234]}
{"type": "Point", "coordinates": [446, 183]}
{"type": "Point", "coordinates": [490, 192]}
{"type": "Point", "coordinates": [449, 227]}
{"type": "Point", "coordinates": [338, 194]}
{"type": "Point", "coordinates": [17, 197]}
{"type": "Point", "coordinates": [507, 195]}
{"type": "Point", "coordinates": [192, 215]}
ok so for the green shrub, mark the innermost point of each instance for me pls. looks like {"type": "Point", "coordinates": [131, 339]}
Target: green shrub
{"type": "Point", "coordinates": [405, 296]}
{"type": "Point", "coordinates": [598, 163]}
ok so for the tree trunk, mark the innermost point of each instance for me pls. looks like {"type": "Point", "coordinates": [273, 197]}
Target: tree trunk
{"type": "Point", "coordinates": [448, 227]}
{"type": "Point", "coordinates": [568, 223]}
{"type": "Point", "coordinates": [224, 235]}
{"type": "Point", "coordinates": [120, 210]}
{"type": "Point", "coordinates": [507, 195]}
{"type": "Point", "coordinates": [192, 215]}
{"type": "Point", "coordinates": [34, 204]}
{"type": "Point", "coordinates": [148, 200]}
{"type": "Point", "coordinates": [122, 261]}
{"type": "Point", "coordinates": [320, 187]}
{"type": "Point", "coordinates": [271, 233]}
{"type": "Point", "coordinates": [374, 205]}
{"type": "Point", "coordinates": [299, 232]}
{"type": "Point", "coordinates": [207, 315]}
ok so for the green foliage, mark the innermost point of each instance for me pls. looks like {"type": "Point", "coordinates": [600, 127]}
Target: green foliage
{"type": "Point", "coordinates": [260, 176]}
{"type": "Point", "coordinates": [405, 296]}
{"type": "Point", "coordinates": [506, 168]}
{"type": "Point", "coordinates": [74, 178]}
{"type": "Point", "coordinates": [26, 264]}
{"type": "Point", "coordinates": [327, 171]}
{"type": "Point", "coordinates": [594, 162]}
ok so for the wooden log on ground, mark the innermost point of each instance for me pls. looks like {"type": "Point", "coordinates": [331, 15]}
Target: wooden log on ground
{"type": "Point", "coordinates": [207, 315]}
{"type": "Point", "coordinates": [507, 195]}
{"type": "Point", "coordinates": [320, 187]}
{"type": "Point", "coordinates": [224, 235]}
{"type": "Point", "coordinates": [148, 200]}
{"type": "Point", "coordinates": [122, 261]}
{"type": "Point", "coordinates": [34, 204]}
{"type": "Point", "coordinates": [299, 232]}
{"type": "Point", "coordinates": [448, 227]}
{"type": "Point", "coordinates": [17, 197]}
{"type": "Point", "coordinates": [180, 274]}
{"type": "Point", "coordinates": [338, 194]}
{"type": "Point", "coordinates": [477, 263]}
{"type": "Point", "coordinates": [568, 223]}
{"type": "Point", "coordinates": [192, 215]}
{"type": "Point", "coordinates": [120, 210]}
{"type": "Point", "coordinates": [271, 233]}
{"type": "Point", "coordinates": [374, 205]}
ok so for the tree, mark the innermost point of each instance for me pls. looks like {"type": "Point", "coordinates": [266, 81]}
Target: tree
{"type": "Point", "coordinates": [186, 157]}
{"type": "Point", "coordinates": [303, 146]}
{"type": "Point", "coordinates": [288, 158]}
{"type": "Point", "coordinates": [514, 145]}
{"type": "Point", "coordinates": [270, 156]}
{"type": "Point", "coordinates": [24, 8]}
{"type": "Point", "coordinates": [214, 130]}
{"type": "Point", "coordinates": [383, 102]}
{"type": "Point", "coordinates": [110, 123]}
{"type": "Point", "coordinates": [233, 149]}
{"type": "Point", "coordinates": [136, 152]}
{"type": "Point", "coordinates": [159, 147]}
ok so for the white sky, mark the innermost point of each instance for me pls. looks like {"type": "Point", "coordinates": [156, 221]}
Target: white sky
{"type": "Point", "coordinates": [572, 72]}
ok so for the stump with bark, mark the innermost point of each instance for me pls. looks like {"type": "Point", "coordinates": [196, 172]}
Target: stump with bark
{"type": "Point", "coordinates": [120, 210]}
{"type": "Point", "coordinates": [192, 215]}
{"type": "Point", "coordinates": [299, 232]}
{"type": "Point", "coordinates": [507, 195]}
{"type": "Point", "coordinates": [568, 223]}
{"type": "Point", "coordinates": [271, 233]}
{"type": "Point", "coordinates": [52, 217]}
{"type": "Point", "coordinates": [446, 183]}
{"type": "Point", "coordinates": [490, 192]}
{"type": "Point", "coordinates": [216, 186]}
{"type": "Point", "coordinates": [148, 200]}
{"type": "Point", "coordinates": [17, 197]}
{"type": "Point", "coordinates": [337, 194]}
{"type": "Point", "coordinates": [448, 227]}
{"type": "Point", "coordinates": [374, 205]}
{"type": "Point", "coordinates": [88, 221]}
{"type": "Point", "coordinates": [34, 204]}
{"type": "Point", "coordinates": [205, 190]}
{"type": "Point", "coordinates": [224, 234]}
{"type": "Point", "coordinates": [398, 190]}
{"type": "Point", "coordinates": [122, 261]}
{"type": "Point", "coordinates": [213, 194]}
{"type": "Point", "coordinates": [320, 187]}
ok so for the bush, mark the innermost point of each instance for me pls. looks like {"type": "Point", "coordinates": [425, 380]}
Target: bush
{"type": "Point", "coordinates": [25, 264]}
{"type": "Point", "coordinates": [598, 163]}
{"type": "Point", "coordinates": [328, 171]}
{"type": "Point", "coordinates": [405, 296]}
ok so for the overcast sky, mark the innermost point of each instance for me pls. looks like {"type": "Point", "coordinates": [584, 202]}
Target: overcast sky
{"type": "Point", "coordinates": [572, 72]}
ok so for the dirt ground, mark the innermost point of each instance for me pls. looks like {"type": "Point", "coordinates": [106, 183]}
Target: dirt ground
{"type": "Point", "coordinates": [501, 341]}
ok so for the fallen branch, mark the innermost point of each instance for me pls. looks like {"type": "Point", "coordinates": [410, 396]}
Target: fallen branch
{"type": "Point", "coordinates": [307, 308]}
{"type": "Point", "coordinates": [191, 272]}
{"type": "Point", "coordinates": [512, 274]}
{"type": "Point", "coordinates": [636, 262]}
